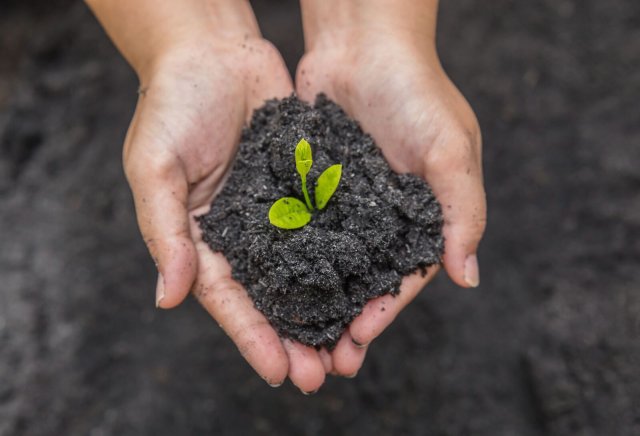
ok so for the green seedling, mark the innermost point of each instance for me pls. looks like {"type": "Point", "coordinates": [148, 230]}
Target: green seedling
{"type": "Point", "coordinates": [303, 165]}
{"type": "Point", "coordinates": [291, 213]}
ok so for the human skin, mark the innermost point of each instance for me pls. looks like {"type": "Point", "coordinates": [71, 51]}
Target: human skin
{"type": "Point", "coordinates": [203, 67]}
{"type": "Point", "coordinates": [378, 60]}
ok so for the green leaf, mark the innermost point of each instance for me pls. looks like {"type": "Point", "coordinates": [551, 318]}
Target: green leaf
{"type": "Point", "coordinates": [327, 185]}
{"type": "Point", "coordinates": [289, 213]}
{"type": "Point", "coordinates": [303, 158]}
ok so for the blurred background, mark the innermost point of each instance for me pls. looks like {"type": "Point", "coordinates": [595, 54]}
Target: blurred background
{"type": "Point", "coordinates": [548, 345]}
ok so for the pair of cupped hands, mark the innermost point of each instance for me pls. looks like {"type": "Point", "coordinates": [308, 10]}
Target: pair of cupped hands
{"type": "Point", "coordinates": [182, 140]}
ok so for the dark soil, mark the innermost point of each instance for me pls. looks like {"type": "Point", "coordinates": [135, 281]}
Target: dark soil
{"type": "Point", "coordinates": [548, 345]}
{"type": "Point", "coordinates": [379, 226]}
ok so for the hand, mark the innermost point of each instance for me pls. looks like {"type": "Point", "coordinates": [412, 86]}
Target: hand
{"type": "Point", "coordinates": [393, 84]}
{"type": "Point", "coordinates": [181, 143]}
{"type": "Point", "coordinates": [203, 68]}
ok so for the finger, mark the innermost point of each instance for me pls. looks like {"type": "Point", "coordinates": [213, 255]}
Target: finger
{"type": "Point", "coordinates": [455, 173]}
{"type": "Point", "coordinates": [326, 359]}
{"type": "Point", "coordinates": [160, 193]}
{"type": "Point", "coordinates": [306, 370]}
{"type": "Point", "coordinates": [347, 356]}
{"type": "Point", "coordinates": [380, 312]}
{"type": "Point", "coordinates": [229, 304]}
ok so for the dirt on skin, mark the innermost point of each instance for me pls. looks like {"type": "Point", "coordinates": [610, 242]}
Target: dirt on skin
{"type": "Point", "coordinates": [378, 227]}
{"type": "Point", "coordinates": [548, 345]}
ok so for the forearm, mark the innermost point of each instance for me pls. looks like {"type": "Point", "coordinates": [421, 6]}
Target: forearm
{"type": "Point", "coordinates": [145, 29]}
{"type": "Point", "coordinates": [328, 22]}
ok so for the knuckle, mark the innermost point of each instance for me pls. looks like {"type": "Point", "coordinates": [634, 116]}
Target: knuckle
{"type": "Point", "coordinates": [458, 152]}
{"type": "Point", "coordinates": [475, 136]}
{"type": "Point", "coordinates": [266, 53]}
{"type": "Point", "coordinates": [227, 286]}
{"type": "Point", "coordinates": [139, 165]}
{"type": "Point", "coordinates": [225, 294]}
{"type": "Point", "coordinates": [161, 166]}
{"type": "Point", "coordinates": [268, 50]}
{"type": "Point", "coordinates": [244, 334]}
{"type": "Point", "coordinates": [469, 224]}
{"type": "Point", "coordinates": [448, 157]}
{"type": "Point", "coordinates": [479, 226]}
{"type": "Point", "coordinates": [200, 291]}
{"type": "Point", "coordinates": [152, 244]}
{"type": "Point", "coordinates": [466, 143]}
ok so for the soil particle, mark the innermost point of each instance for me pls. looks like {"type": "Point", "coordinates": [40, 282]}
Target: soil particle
{"type": "Point", "coordinates": [379, 226]}
{"type": "Point", "coordinates": [548, 345]}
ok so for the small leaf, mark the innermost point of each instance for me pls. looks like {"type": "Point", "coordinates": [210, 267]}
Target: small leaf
{"type": "Point", "coordinates": [289, 213]}
{"type": "Point", "coordinates": [327, 185]}
{"type": "Point", "coordinates": [303, 158]}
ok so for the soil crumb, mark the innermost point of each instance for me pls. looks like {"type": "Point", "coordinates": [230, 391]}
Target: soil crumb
{"type": "Point", "coordinates": [378, 227]}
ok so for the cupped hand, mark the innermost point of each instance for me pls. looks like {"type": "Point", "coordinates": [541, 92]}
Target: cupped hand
{"type": "Point", "coordinates": [398, 91]}
{"type": "Point", "coordinates": [180, 144]}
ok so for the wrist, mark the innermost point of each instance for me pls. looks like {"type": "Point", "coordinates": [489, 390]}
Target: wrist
{"type": "Point", "coordinates": [344, 23]}
{"type": "Point", "coordinates": [147, 31]}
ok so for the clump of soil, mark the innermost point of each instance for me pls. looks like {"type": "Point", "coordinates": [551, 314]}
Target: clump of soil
{"type": "Point", "coordinates": [379, 226]}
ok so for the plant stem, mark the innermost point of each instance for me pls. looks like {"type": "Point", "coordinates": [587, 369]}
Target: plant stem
{"type": "Point", "coordinates": [306, 194]}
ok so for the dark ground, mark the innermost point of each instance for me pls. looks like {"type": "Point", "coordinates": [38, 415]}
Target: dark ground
{"type": "Point", "coordinates": [549, 344]}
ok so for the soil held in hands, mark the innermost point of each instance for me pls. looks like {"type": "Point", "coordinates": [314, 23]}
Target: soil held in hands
{"type": "Point", "coordinates": [378, 227]}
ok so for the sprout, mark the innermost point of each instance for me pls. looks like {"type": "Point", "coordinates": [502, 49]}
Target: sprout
{"type": "Point", "coordinates": [327, 185]}
{"type": "Point", "coordinates": [291, 213]}
{"type": "Point", "coordinates": [303, 165]}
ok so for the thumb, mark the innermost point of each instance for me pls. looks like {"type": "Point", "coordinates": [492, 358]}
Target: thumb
{"type": "Point", "coordinates": [160, 192]}
{"type": "Point", "coordinates": [455, 173]}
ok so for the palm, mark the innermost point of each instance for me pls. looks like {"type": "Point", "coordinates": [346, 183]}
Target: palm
{"type": "Point", "coordinates": [419, 119]}
{"type": "Point", "coordinates": [402, 98]}
{"type": "Point", "coordinates": [186, 113]}
{"type": "Point", "coordinates": [179, 147]}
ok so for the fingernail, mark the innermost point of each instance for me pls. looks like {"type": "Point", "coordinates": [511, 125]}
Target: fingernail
{"type": "Point", "coordinates": [159, 290]}
{"type": "Point", "coordinates": [275, 385]}
{"type": "Point", "coordinates": [471, 272]}
{"type": "Point", "coordinates": [309, 393]}
{"type": "Point", "coordinates": [351, 375]}
{"type": "Point", "coordinates": [358, 344]}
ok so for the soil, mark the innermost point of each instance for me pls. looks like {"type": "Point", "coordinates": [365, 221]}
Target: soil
{"type": "Point", "coordinates": [379, 226]}
{"type": "Point", "coordinates": [548, 345]}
